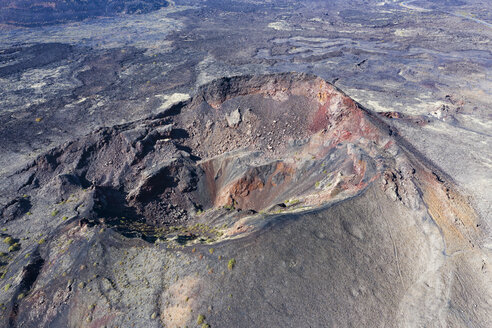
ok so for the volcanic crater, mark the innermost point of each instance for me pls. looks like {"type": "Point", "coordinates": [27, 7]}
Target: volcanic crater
{"type": "Point", "coordinates": [235, 161]}
{"type": "Point", "coordinates": [241, 146]}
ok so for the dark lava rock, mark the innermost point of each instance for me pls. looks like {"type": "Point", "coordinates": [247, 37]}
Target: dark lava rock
{"type": "Point", "coordinates": [35, 13]}
{"type": "Point", "coordinates": [35, 56]}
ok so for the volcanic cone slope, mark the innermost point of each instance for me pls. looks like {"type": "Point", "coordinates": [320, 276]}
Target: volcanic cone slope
{"type": "Point", "coordinates": [266, 201]}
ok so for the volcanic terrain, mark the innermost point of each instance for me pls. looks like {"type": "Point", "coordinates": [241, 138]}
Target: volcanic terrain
{"type": "Point", "coordinates": [275, 198]}
{"type": "Point", "coordinates": [245, 163]}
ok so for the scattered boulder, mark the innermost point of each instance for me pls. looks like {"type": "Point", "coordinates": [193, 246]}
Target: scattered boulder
{"type": "Point", "coordinates": [234, 118]}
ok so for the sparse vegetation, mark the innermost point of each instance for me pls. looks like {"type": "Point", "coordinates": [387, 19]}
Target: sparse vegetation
{"type": "Point", "coordinates": [291, 202]}
{"type": "Point", "coordinates": [8, 240]}
{"type": "Point", "coordinates": [7, 287]}
{"type": "Point", "coordinates": [231, 264]}
{"type": "Point", "coordinates": [14, 247]}
{"type": "Point", "coordinates": [200, 319]}
{"type": "Point", "coordinates": [54, 212]}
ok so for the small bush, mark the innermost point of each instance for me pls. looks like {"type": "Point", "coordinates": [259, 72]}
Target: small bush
{"type": "Point", "coordinates": [8, 240]}
{"type": "Point", "coordinates": [54, 213]}
{"type": "Point", "coordinates": [231, 264]}
{"type": "Point", "coordinates": [200, 319]}
{"type": "Point", "coordinates": [14, 247]}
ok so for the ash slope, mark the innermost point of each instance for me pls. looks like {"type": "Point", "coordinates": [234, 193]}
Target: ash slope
{"type": "Point", "coordinates": [262, 201]}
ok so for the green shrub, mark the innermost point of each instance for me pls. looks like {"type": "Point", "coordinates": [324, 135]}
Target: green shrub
{"type": "Point", "coordinates": [8, 240]}
{"type": "Point", "coordinates": [231, 264]}
{"type": "Point", "coordinates": [14, 247]}
{"type": "Point", "coordinates": [200, 319]}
